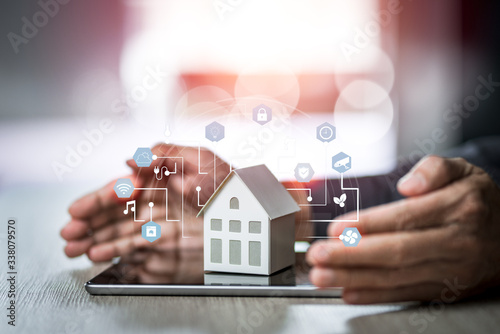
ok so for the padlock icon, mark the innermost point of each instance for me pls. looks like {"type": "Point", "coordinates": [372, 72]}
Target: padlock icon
{"type": "Point", "coordinates": [262, 115]}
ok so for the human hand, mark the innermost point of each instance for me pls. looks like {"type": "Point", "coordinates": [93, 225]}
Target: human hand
{"type": "Point", "coordinates": [99, 228]}
{"type": "Point", "coordinates": [439, 243]}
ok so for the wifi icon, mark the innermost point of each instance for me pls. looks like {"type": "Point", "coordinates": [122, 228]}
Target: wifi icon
{"type": "Point", "coordinates": [123, 188]}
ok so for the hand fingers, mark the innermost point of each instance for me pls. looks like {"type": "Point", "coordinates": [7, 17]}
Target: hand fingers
{"type": "Point", "coordinates": [78, 247]}
{"type": "Point", "coordinates": [431, 173]}
{"type": "Point", "coordinates": [79, 244]}
{"type": "Point", "coordinates": [120, 247]}
{"type": "Point", "coordinates": [75, 229]}
{"type": "Point", "coordinates": [196, 167]}
{"type": "Point", "coordinates": [419, 292]}
{"type": "Point", "coordinates": [437, 208]}
{"type": "Point", "coordinates": [116, 231]}
{"type": "Point", "coordinates": [126, 225]}
{"type": "Point", "coordinates": [125, 245]}
{"type": "Point", "coordinates": [97, 201]}
{"type": "Point", "coordinates": [388, 250]}
{"type": "Point", "coordinates": [192, 157]}
{"type": "Point", "coordinates": [378, 278]}
{"type": "Point", "coordinates": [78, 229]}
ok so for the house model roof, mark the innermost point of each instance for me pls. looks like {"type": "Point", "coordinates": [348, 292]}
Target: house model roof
{"type": "Point", "coordinates": [268, 191]}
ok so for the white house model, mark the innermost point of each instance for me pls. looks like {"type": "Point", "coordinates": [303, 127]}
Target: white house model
{"type": "Point", "coordinates": [249, 224]}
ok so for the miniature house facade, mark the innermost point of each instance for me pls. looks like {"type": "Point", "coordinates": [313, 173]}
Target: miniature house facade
{"type": "Point", "coordinates": [249, 224]}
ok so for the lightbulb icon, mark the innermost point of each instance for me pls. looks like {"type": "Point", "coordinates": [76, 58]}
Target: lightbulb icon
{"type": "Point", "coordinates": [214, 131]}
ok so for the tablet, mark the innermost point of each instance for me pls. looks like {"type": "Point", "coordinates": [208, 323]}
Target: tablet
{"type": "Point", "coordinates": [180, 273]}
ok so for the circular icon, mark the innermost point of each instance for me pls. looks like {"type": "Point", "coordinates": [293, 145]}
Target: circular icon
{"type": "Point", "coordinates": [326, 133]}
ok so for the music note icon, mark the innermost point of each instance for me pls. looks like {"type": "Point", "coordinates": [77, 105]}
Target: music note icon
{"type": "Point", "coordinates": [131, 209]}
{"type": "Point", "coordinates": [132, 203]}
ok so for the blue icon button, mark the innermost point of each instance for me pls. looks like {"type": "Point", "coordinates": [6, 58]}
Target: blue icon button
{"type": "Point", "coordinates": [341, 162]}
{"type": "Point", "coordinates": [325, 132]}
{"type": "Point", "coordinates": [262, 114]}
{"type": "Point", "coordinates": [214, 131]}
{"type": "Point", "coordinates": [143, 157]}
{"type": "Point", "coordinates": [350, 237]}
{"type": "Point", "coordinates": [151, 231]}
{"type": "Point", "coordinates": [123, 188]}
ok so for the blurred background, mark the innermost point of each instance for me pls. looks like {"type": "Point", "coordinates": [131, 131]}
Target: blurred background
{"type": "Point", "coordinates": [84, 83]}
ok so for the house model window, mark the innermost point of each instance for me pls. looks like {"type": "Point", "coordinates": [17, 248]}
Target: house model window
{"type": "Point", "coordinates": [256, 234]}
{"type": "Point", "coordinates": [234, 203]}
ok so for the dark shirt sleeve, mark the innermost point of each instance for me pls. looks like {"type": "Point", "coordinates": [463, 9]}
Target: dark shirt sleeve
{"type": "Point", "coordinates": [381, 189]}
{"type": "Point", "coordinates": [482, 152]}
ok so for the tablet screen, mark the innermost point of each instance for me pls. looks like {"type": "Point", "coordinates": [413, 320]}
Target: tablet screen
{"type": "Point", "coordinates": [180, 272]}
{"type": "Point", "coordinates": [185, 267]}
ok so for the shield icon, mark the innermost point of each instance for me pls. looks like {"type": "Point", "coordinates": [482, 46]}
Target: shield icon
{"type": "Point", "coordinates": [303, 172]}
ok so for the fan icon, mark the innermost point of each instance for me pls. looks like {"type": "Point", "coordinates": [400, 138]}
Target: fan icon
{"type": "Point", "coordinates": [350, 237]}
{"type": "Point", "coordinates": [340, 200]}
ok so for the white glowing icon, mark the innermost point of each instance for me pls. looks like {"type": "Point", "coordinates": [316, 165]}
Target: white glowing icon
{"type": "Point", "coordinates": [215, 131]}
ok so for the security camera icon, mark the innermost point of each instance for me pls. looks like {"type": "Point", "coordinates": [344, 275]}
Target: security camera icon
{"type": "Point", "coordinates": [341, 162]}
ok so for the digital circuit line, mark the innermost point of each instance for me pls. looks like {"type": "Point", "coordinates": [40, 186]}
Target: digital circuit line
{"type": "Point", "coordinates": [198, 194]}
{"type": "Point", "coordinates": [166, 202]}
{"type": "Point", "coordinates": [299, 189]}
{"type": "Point", "coordinates": [166, 172]}
{"type": "Point", "coordinates": [309, 189]}
{"type": "Point", "coordinates": [322, 237]}
{"type": "Point", "coordinates": [357, 205]}
{"type": "Point", "coordinates": [182, 195]}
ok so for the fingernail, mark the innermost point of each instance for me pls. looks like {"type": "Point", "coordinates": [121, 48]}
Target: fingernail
{"type": "Point", "coordinates": [413, 180]}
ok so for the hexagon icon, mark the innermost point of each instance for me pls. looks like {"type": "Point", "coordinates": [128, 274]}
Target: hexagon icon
{"type": "Point", "coordinates": [143, 157]}
{"type": "Point", "coordinates": [350, 237]}
{"type": "Point", "coordinates": [325, 132]}
{"type": "Point", "coordinates": [341, 162]}
{"type": "Point", "coordinates": [262, 114]}
{"type": "Point", "coordinates": [123, 188]}
{"type": "Point", "coordinates": [151, 231]}
{"type": "Point", "coordinates": [214, 131]}
{"type": "Point", "coordinates": [304, 172]}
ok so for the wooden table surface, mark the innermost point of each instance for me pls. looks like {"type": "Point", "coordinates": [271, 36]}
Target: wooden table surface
{"type": "Point", "coordinates": [52, 298]}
